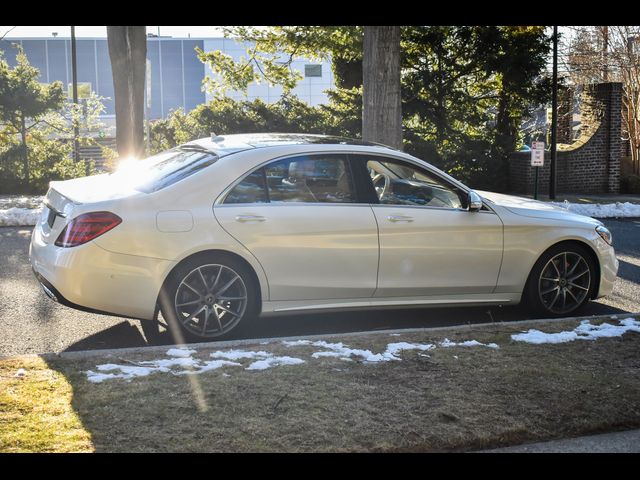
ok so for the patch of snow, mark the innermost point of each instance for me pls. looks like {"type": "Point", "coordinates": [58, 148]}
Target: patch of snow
{"type": "Point", "coordinates": [94, 377]}
{"type": "Point", "coordinates": [597, 210]}
{"type": "Point", "coordinates": [468, 343]}
{"type": "Point", "coordinates": [274, 362]}
{"type": "Point", "coordinates": [208, 366]}
{"type": "Point", "coordinates": [165, 365]}
{"type": "Point", "coordinates": [394, 348]}
{"type": "Point", "coordinates": [295, 343]}
{"type": "Point", "coordinates": [240, 354]}
{"type": "Point", "coordinates": [180, 352]}
{"type": "Point", "coordinates": [343, 352]}
{"type": "Point", "coordinates": [584, 331]}
{"type": "Point", "coordinates": [126, 372]}
{"type": "Point", "coordinates": [340, 350]}
{"type": "Point", "coordinates": [18, 217]}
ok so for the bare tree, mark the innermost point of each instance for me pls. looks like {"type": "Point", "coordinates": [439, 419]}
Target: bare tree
{"type": "Point", "coordinates": [128, 53]}
{"type": "Point", "coordinates": [382, 108]}
{"type": "Point", "coordinates": [611, 53]}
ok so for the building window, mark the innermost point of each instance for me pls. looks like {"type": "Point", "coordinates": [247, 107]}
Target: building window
{"type": "Point", "coordinates": [313, 70]}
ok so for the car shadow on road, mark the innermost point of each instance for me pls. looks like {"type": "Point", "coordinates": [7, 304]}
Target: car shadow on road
{"type": "Point", "coordinates": [629, 271]}
{"type": "Point", "coordinates": [129, 334]}
{"type": "Point", "coordinates": [122, 335]}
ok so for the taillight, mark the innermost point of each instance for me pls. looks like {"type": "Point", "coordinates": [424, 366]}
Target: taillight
{"type": "Point", "coordinates": [86, 227]}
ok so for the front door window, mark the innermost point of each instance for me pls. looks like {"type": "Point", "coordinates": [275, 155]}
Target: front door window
{"type": "Point", "coordinates": [403, 184]}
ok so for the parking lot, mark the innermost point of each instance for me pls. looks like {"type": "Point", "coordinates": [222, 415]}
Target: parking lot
{"type": "Point", "coordinates": [31, 323]}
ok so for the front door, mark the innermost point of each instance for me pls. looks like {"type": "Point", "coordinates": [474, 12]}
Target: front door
{"type": "Point", "coordinates": [429, 243]}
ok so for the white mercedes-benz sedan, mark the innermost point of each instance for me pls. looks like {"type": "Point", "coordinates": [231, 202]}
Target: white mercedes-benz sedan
{"type": "Point", "coordinates": [221, 230]}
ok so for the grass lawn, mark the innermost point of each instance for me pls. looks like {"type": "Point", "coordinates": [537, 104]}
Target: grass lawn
{"type": "Point", "coordinates": [444, 399]}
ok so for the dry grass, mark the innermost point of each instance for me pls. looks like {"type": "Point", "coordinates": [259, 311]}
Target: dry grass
{"type": "Point", "coordinates": [482, 398]}
{"type": "Point", "coordinates": [35, 411]}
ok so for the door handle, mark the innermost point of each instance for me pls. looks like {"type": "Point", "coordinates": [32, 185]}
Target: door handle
{"type": "Point", "coordinates": [400, 218]}
{"type": "Point", "coordinates": [249, 218]}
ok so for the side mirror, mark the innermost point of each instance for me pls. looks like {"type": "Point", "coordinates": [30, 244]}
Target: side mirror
{"type": "Point", "coordinates": [474, 202]}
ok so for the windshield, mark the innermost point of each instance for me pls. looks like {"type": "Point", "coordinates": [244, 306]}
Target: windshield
{"type": "Point", "coordinates": [164, 169]}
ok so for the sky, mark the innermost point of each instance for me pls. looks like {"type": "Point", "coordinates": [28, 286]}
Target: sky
{"type": "Point", "coordinates": [101, 31]}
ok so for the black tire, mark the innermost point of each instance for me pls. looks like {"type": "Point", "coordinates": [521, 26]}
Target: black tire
{"type": "Point", "coordinates": [185, 293]}
{"type": "Point", "coordinates": [575, 271]}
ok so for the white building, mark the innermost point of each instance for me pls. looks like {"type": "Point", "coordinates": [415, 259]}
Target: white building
{"type": "Point", "coordinates": [176, 72]}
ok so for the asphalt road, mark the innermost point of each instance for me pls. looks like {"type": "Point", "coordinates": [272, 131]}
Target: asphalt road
{"type": "Point", "coordinates": [32, 323]}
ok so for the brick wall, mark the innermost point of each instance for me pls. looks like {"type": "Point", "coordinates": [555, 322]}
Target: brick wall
{"type": "Point", "coordinates": [591, 164]}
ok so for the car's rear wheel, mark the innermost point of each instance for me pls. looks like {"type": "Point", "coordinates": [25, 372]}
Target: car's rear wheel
{"type": "Point", "coordinates": [208, 297]}
{"type": "Point", "coordinates": [561, 281]}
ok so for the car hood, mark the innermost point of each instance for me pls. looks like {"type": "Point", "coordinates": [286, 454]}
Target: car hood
{"type": "Point", "coordinates": [527, 207]}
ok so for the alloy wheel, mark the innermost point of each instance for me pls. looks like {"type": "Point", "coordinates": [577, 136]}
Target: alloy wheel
{"type": "Point", "coordinates": [210, 300]}
{"type": "Point", "coordinates": [564, 282]}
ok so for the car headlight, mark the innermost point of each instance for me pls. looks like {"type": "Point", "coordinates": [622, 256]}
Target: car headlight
{"type": "Point", "coordinates": [605, 234]}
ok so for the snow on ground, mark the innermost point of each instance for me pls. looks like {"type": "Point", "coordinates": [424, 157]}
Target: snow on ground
{"type": "Point", "coordinates": [180, 352]}
{"type": "Point", "coordinates": [16, 211]}
{"type": "Point", "coordinates": [239, 354]}
{"type": "Point", "coordinates": [469, 343]}
{"type": "Point", "coordinates": [18, 217]}
{"type": "Point", "coordinates": [343, 352]}
{"type": "Point", "coordinates": [180, 361]}
{"type": "Point", "coordinates": [604, 210]}
{"type": "Point", "coordinates": [183, 358]}
{"type": "Point", "coordinates": [584, 331]}
{"type": "Point", "coordinates": [274, 362]}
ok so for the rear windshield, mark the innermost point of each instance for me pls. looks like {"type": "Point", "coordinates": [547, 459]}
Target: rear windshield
{"type": "Point", "coordinates": [164, 169]}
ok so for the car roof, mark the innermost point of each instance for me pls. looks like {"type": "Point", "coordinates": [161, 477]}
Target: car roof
{"type": "Point", "coordinates": [224, 145]}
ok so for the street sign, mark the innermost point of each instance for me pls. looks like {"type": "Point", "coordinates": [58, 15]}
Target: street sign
{"type": "Point", "coordinates": [537, 154]}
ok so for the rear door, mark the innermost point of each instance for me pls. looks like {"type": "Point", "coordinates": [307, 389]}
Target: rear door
{"type": "Point", "coordinates": [300, 217]}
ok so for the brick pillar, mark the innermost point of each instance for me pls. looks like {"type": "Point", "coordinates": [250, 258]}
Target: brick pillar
{"type": "Point", "coordinates": [565, 115]}
{"type": "Point", "coordinates": [614, 150]}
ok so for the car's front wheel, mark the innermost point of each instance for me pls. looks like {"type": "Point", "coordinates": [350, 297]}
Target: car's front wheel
{"type": "Point", "coordinates": [561, 281]}
{"type": "Point", "coordinates": [208, 297]}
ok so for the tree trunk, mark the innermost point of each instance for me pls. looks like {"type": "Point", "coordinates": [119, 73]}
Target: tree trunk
{"type": "Point", "coordinates": [128, 53]}
{"type": "Point", "coordinates": [381, 102]}
{"type": "Point", "coordinates": [25, 153]}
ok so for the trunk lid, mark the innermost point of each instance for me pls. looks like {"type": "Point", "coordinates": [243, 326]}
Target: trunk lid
{"type": "Point", "coordinates": [67, 199]}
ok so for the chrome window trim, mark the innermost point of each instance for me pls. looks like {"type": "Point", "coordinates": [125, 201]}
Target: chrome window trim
{"type": "Point", "coordinates": [219, 201]}
{"type": "Point", "coordinates": [437, 174]}
{"type": "Point", "coordinates": [428, 207]}
{"type": "Point", "coordinates": [294, 204]}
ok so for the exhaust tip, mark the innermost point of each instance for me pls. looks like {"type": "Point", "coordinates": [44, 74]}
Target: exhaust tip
{"type": "Point", "coordinates": [49, 293]}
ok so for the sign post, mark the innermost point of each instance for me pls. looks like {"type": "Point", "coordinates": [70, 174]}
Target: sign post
{"type": "Point", "coordinates": [537, 161]}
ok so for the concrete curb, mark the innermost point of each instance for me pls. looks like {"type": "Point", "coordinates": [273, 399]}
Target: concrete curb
{"type": "Point", "coordinates": [265, 341]}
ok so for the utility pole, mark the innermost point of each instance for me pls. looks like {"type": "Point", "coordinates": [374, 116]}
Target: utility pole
{"type": "Point", "coordinates": [554, 118]}
{"type": "Point", "coordinates": [74, 86]}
